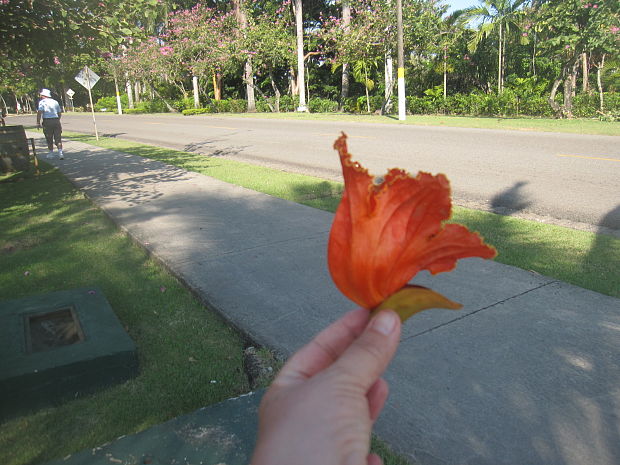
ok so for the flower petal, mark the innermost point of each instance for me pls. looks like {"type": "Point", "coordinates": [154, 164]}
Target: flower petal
{"type": "Point", "coordinates": [413, 299]}
{"type": "Point", "coordinates": [387, 230]}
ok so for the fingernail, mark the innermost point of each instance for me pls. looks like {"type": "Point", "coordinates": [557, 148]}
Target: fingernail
{"type": "Point", "coordinates": [385, 322]}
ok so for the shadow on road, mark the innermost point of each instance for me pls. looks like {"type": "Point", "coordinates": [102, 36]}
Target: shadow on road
{"type": "Point", "coordinates": [511, 200]}
{"type": "Point", "coordinates": [207, 147]}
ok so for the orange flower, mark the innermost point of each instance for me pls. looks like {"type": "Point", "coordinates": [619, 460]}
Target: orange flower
{"type": "Point", "coordinates": [388, 229]}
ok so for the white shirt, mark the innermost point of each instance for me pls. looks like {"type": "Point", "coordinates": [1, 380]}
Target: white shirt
{"type": "Point", "coordinates": [49, 108]}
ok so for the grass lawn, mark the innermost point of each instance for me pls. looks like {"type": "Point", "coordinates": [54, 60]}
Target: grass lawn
{"type": "Point", "coordinates": [53, 238]}
{"type": "Point", "coordinates": [575, 126]}
{"type": "Point", "coordinates": [582, 258]}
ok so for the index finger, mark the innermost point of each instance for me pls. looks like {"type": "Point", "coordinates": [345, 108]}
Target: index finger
{"type": "Point", "coordinates": [324, 349]}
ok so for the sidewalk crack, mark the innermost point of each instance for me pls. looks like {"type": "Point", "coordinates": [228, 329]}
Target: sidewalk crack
{"type": "Point", "coordinates": [480, 309]}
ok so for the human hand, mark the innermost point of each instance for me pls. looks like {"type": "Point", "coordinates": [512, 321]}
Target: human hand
{"type": "Point", "coordinates": [321, 407]}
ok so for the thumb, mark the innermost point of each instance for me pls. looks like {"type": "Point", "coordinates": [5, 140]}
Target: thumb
{"type": "Point", "coordinates": [369, 355]}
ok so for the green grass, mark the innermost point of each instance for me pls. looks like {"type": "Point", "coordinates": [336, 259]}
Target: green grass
{"type": "Point", "coordinates": [582, 258]}
{"type": "Point", "coordinates": [574, 126]}
{"type": "Point", "coordinates": [53, 238]}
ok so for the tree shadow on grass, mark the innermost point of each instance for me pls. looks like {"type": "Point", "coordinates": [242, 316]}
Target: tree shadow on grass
{"type": "Point", "coordinates": [603, 259]}
{"type": "Point", "coordinates": [324, 195]}
{"type": "Point", "coordinates": [554, 251]}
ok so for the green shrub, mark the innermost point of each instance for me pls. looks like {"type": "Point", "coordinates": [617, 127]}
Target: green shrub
{"type": "Point", "coordinates": [420, 105]}
{"type": "Point", "coordinates": [288, 103]}
{"type": "Point", "coordinates": [535, 106]}
{"type": "Point", "coordinates": [263, 107]}
{"type": "Point", "coordinates": [350, 105]}
{"type": "Point", "coordinates": [610, 116]}
{"type": "Point", "coordinates": [197, 111]}
{"type": "Point", "coordinates": [151, 106]}
{"type": "Point", "coordinates": [237, 106]}
{"type": "Point", "coordinates": [183, 104]}
{"type": "Point", "coordinates": [322, 105]}
{"type": "Point", "coordinates": [109, 103]}
{"type": "Point", "coordinates": [376, 101]}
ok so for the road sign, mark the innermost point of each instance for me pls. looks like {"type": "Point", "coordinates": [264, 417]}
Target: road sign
{"type": "Point", "coordinates": [70, 93]}
{"type": "Point", "coordinates": [87, 77]}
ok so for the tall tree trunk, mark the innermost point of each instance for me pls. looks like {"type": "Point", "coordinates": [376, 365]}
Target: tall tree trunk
{"type": "Point", "coordinates": [294, 90]}
{"type": "Point", "coordinates": [569, 90]}
{"type": "Point", "coordinates": [499, 59]}
{"type": "Point", "coordinates": [196, 91]}
{"type": "Point", "coordinates": [276, 91]}
{"type": "Point", "coordinates": [386, 108]}
{"type": "Point", "coordinates": [585, 75]}
{"type": "Point", "coordinates": [119, 106]}
{"type": "Point", "coordinates": [249, 87]}
{"type": "Point", "coordinates": [248, 72]}
{"type": "Point", "coordinates": [599, 83]}
{"type": "Point", "coordinates": [534, 55]}
{"type": "Point", "coordinates": [301, 78]}
{"type": "Point", "coordinates": [217, 86]}
{"type": "Point", "coordinates": [445, 72]}
{"type": "Point", "coordinates": [128, 86]}
{"type": "Point", "coordinates": [557, 108]}
{"type": "Point", "coordinates": [346, 22]}
{"type": "Point", "coordinates": [366, 87]}
{"type": "Point", "coordinates": [568, 71]}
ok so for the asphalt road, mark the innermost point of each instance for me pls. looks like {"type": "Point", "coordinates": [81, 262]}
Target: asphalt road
{"type": "Point", "coordinates": [565, 179]}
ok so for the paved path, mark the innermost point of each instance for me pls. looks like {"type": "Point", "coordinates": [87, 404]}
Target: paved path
{"type": "Point", "coordinates": [526, 373]}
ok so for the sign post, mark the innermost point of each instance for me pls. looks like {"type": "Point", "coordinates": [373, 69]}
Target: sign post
{"type": "Point", "coordinates": [71, 93]}
{"type": "Point", "coordinates": [88, 78]}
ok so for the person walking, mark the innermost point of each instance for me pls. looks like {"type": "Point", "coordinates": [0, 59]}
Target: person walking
{"type": "Point", "coordinates": [49, 109]}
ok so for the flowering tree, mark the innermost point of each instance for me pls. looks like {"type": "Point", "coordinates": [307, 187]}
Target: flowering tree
{"type": "Point", "coordinates": [205, 42]}
{"type": "Point", "coordinates": [153, 62]}
{"type": "Point", "coordinates": [270, 42]}
{"type": "Point", "coordinates": [362, 41]}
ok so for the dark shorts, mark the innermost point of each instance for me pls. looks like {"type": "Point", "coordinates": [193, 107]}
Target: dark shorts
{"type": "Point", "coordinates": [52, 130]}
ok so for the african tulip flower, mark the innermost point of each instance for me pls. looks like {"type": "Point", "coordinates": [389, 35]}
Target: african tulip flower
{"type": "Point", "coordinates": [388, 229]}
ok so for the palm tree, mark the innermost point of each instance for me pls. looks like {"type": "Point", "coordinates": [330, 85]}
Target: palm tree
{"type": "Point", "coordinates": [493, 16]}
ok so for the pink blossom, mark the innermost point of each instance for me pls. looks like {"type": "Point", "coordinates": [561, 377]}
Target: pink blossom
{"type": "Point", "coordinates": [56, 61]}
{"type": "Point", "coordinates": [594, 6]}
{"type": "Point", "coordinates": [524, 34]}
{"type": "Point", "coordinates": [567, 47]}
{"type": "Point", "coordinates": [614, 29]}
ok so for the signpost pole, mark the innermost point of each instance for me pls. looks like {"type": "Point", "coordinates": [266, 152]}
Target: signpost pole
{"type": "Point", "coordinates": [90, 97]}
{"type": "Point", "coordinates": [70, 93]}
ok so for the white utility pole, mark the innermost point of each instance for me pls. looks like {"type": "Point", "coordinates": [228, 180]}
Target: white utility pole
{"type": "Point", "coordinates": [401, 62]}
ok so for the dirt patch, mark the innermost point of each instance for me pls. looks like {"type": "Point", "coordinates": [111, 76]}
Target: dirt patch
{"type": "Point", "coordinates": [10, 247]}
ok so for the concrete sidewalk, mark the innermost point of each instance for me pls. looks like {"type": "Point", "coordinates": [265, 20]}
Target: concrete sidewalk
{"type": "Point", "coordinates": [527, 373]}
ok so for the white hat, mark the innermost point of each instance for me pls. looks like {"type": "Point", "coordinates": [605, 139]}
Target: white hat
{"type": "Point", "coordinates": [45, 93]}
